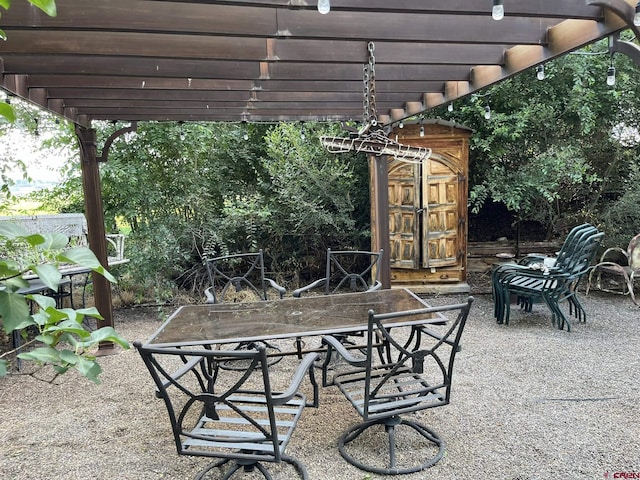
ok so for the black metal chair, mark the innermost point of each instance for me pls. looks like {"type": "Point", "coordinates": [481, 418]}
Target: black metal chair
{"type": "Point", "coordinates": [229, 415]}
{"type": "Point", "coordinates": [397, 376]}
{"type": "Point", "coordinates": [239, 277]}
{"type": "Point", "coordinates": [347, 271]}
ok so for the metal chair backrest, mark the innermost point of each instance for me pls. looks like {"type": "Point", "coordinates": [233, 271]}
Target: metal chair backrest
{"type": "Point", "coordinates": [235, 278]}
{"type": "Point", "coordinates": [573, 242]}
{"type": "Point", "coordinates": [215, 411]}
{"type": "Point", "coordinates": [579, 262]}
{"type": "Point", "coordinates": [406, 358]}
{"type": "Point", "coordinates": [352, 270]}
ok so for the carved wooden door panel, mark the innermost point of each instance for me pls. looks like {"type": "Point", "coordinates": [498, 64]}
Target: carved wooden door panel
{"type": "Point", "coordinates": [440, 237]}
{"type": "Point", "coordinates": [404, 202]}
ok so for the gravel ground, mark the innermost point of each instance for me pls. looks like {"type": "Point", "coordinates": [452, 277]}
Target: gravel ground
{"type": "Point", "coordinates": [528, 402]}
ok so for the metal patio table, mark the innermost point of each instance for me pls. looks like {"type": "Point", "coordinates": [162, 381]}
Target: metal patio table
{"type": "Point", "coordinates": [193, 325]}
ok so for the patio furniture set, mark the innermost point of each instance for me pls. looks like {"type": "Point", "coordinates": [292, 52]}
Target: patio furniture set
{"type": "Point", "coordinates": [212, 365]}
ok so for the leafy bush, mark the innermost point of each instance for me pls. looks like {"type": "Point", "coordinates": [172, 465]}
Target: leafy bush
{"type": "Point", "coordinates": [620, 218]}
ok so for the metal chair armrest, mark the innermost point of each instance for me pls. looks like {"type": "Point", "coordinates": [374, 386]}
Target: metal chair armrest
{"type": "Point", "coordinates": [318, 283]}
{"type": "Point", "coordinates": [280, 289]}
{"type": "Point", "coordinates": [306, 366]}
{"type": "Point", "coordinates": [209, 295]}
{"type": "Point", "coordinates": [335, 344]}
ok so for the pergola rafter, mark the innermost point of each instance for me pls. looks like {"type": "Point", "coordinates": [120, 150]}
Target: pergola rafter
{"type": "Point", "coordinates": [280, 60]}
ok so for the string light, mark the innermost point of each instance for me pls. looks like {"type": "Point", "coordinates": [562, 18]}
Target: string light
{"type": "Point", "coordinates": [487, 112]}
{"type": "Point", "coordinates": [611, 76]}
{"type": "Point", "coordinates": [245, 135]}
{"type": "Point", "coordinates": [450, 107]}
{"type": "Point", "coordinates": [498, 10]}
{"type": "Point", "coordinates": [324, 6]}
{"type": "Point", "coordinates": [422, 130]}
{"type": "Point", "coordinates": [401, 124]}
{"type": "Point", "coordinates": [636, 17]}
{"type": "Point", "coordinates": [540, 72]}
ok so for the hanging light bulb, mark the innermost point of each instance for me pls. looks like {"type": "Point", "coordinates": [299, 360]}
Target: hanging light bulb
{"type": "Point", "coordinates": [450, 107]}
{"type": "Point", "coordinates": [540, 72]}
{"type": "Point", "coordinates": [245, 134]}
{"type": "Point", "coordinates": [498, 10]}
{"type": "Point", "coordinates": [401, 124]}
{"type": "Point", "coordinates": [422, 130]}
{"type": "Point", "coordinates": [302, 135]}
{"type": "Point", "coordinates": [324, 6]}
{"type": "Point", "coordinates": [636, 17]}
{"type": "Point", "coordinates": [611, 76]}
{"type": "Point", "coordinates": [487, 112]}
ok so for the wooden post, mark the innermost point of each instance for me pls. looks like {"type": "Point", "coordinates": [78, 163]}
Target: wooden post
{"type": "Point", "coordinates": [381, 215]}
{"type": "Point", "coordinates": [95, 224]}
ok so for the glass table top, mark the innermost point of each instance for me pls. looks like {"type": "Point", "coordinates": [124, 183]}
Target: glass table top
{"type": "Point", "coordinates": [289, 317]}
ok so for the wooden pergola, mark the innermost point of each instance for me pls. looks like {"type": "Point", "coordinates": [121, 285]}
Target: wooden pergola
{"type": "Point", "coordinates": [276, 60]}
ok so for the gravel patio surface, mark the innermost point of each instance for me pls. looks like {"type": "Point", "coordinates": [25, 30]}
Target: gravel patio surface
{"type": "Point", "coordinates": [529, 402]}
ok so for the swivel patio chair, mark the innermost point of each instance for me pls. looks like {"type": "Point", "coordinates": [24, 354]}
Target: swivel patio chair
{"type": "Point", "coordinates": [623, 264]}
{"type": "Point", "coordinates": [410, 373]}
{"type": "Point", "coordinates": [231, 416]}
{"type": "Point", "coordinates": [347, 271]}
{"type": "Point", "coordinates": [237, 278]}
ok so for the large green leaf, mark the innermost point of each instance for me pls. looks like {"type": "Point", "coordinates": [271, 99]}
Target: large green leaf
{"type": "Point", "coordinates": [44, 302]}
{"type": "Point", "coordinates": [49, 274]}
{"type": "Point", "coordinates": [12, 230]}
{"type": "Point", "coordinates": [34, 239]}
{"type": "Point", "coordinates": [8, 268]}
{"type": "Point", "coordinates": [85, 257]}
{"type": "Point", "coordinates": [89, 369]}
{"type": "Point", "coordinates": [54, 241]}
{"type": "Point", "coordinates": [42, 355]}
{"type": "Point", "coordinates": [69, 357]}
{"type": "Point", "coordinates": [5, 4]}
{"type": "Point", "coordinates": [5, 110]}
{"type": "Point", "coordinates": [70, 326]}
{"type": "Point", "coordinates": [14, 311]}
{"type": "Point", "coordinates": [89, 312]}
{"type": "Point", "coordinates": [47, 6]}
{"type": "Point", "coordinates": [81, 256]}
{"type": "Point", "coordinates": [106, 334]}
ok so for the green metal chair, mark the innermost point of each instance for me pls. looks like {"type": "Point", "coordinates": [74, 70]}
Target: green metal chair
{"type": "Point", "coordinates": [552, 286]}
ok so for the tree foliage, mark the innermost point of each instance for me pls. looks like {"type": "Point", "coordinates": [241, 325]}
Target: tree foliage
{"type": "Point", "coordinates": [549, 151]}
